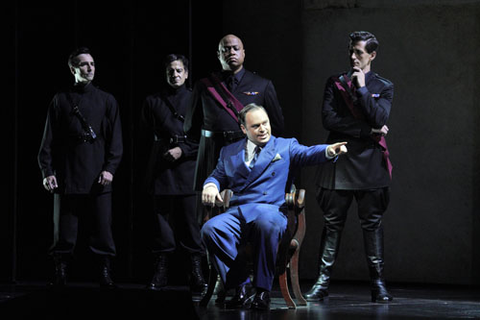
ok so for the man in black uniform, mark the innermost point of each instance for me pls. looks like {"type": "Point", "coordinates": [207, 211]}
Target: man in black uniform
{"type": "Point", "coordinates": [212, 118]}
{"type": "Point", "coordinates": [356, 108]}
{"type": "Point", "coordinates": [79, 154]}
{"type": "Point", "coordinates": [171, 168]}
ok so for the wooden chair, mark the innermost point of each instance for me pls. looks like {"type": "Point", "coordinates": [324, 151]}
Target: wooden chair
{"type": "Point", "coordinates": [288, 251]}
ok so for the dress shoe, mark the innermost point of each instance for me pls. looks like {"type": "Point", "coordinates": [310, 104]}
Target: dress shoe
{"type": "Point", "coordinates": [317, 293]}
{"type": "Point", "coordinates": [242, 297]}
{"type": "Point", "coordinates": [261, 301]}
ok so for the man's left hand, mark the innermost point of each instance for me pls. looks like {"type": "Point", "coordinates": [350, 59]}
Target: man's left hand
{"type": "Point", "coordinates": [382, 131]}
{"type": "Point", "coordinates": [105, 178]}
{"type": "Point", "coordinates": [173, 154]}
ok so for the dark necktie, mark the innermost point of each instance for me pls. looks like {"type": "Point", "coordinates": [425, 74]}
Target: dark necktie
{"type": "Point", "coordinates": [256, 152]}
{"type": "Point", "coordinates": [231, 83]}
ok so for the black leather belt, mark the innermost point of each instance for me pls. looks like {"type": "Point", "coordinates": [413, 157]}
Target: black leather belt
{"type": "Point", "coordinates": [227, 135]}
{"type": "Point", "coordinates": [172, 139]}
{"type": "Point", "coordinates": [177, 139]}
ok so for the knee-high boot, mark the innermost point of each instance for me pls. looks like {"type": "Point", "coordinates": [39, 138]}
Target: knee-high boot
{"type": "Point", "coordinates": [197, 281]}
{"type": "Point", "coordinates": [328, 253]}
{"type": "Point", "coordinates": [160, 275]}
{"type": "Point", "coordinates": [59, 279]}
{"type": "Point", "coordinates": [106, 272]}
{"type": "Point", "coordinates": [373, 241]}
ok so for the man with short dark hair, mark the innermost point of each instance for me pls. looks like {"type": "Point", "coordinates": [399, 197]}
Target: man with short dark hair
{"type": "Point", "coordinates": [170, 171]}
{"type": "Point", "coordinates": [257, 170]}
{"type": "Point", "coordinates": [80, 152]}
{"type": "Point", "coordinates": [356, 108]}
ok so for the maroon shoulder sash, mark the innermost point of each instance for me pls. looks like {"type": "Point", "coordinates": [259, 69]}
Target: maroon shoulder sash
{"type": "Point", "coordinates": [227, 100]}
{"type": "Point", "coordinates": [347, 97]}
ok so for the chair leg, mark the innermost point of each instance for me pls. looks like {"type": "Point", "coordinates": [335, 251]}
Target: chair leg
{"type": "Point", "coordinates": [212, 280]}
{"type": "Point", "coordinates": [282, 279]}
{"type": "Point", "coordinates": [294, 276]}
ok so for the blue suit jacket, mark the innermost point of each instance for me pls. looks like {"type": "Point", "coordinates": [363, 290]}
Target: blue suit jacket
{"type": "Point", "coordinates": [264, 186]}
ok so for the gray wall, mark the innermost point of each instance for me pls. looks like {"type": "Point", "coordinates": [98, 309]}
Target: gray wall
{"type": "Point", "coordinates": [429, 49]}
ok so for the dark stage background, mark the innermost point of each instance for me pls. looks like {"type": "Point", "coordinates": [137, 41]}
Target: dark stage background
{"type": "Point", "coordinates": [429, 49]}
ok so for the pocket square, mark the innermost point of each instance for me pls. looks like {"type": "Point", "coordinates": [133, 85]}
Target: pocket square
{"type": "Point", "coordinates": [251, 93]}
{"type": "Point", "coordinates": [277, 157]}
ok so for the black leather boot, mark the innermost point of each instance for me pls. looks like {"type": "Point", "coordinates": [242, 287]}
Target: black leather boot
{"type": "Point", "coordinates": [59, 279]}
{"type": "Point", "coordinates": [106, 273]}
{"type": "Point", "coordinates": [328, 253]}
{"type": "Point", "coordinates": [197, 281]}
{"type": "Point", "coordinates": [374, 251]}
{"type": "Point", "coordinates": [379, 291]}
{"type": "Point", "coordinates": [160, 277]}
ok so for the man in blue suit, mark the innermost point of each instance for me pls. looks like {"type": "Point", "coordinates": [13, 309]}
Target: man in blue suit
{"type": "Point", "coordinates": [257, 170]}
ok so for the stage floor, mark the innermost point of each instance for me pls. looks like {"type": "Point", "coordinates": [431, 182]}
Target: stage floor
{"type": "Point", "coordinates": [347, 300]}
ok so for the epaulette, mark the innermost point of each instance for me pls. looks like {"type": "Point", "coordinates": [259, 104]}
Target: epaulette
{"type": "Point", "coordinates": [384, 80]}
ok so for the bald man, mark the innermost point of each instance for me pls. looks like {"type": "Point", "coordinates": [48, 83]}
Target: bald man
{"type": "Point", "coordinates": [212, 119]}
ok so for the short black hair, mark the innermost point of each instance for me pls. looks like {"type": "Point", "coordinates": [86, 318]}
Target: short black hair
{"type": "Point", "coordinates": [371, 42]}
{"type": "Point", "coordinates": [174, 57]}
{"type": "Point", "coordinates": [249, 107]}
{"type": "Point", "coordinates": [72, 61]}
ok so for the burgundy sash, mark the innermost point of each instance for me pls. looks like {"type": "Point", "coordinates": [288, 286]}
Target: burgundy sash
{"type": "Point", "coordinates": [231, 100]}
{"type": "Point", "coordinates": [347, 97]}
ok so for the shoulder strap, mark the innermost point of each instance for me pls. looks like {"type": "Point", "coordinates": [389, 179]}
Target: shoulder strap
{"type": "Point", "coordinates": [172, 108]}
{"type": "Point", "coordinates": [346, 82]}
{"type": "Point", "coordinates": [70, 99]}
{"type": "Point", "coordinates": [343, 86]}
{"type": "Point", "coordinates": [226, 93]}
{"type": "Point", "coordinates": [348, 98]}
{"type": "Point", "coordinates": [78, 114]}
{"type": "Point", "coordinates": [223, 95]}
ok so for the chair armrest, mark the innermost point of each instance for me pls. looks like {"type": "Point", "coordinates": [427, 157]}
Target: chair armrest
{"type": "Point", "coordinates": [226, 196]}
{"type": "Point", "coordinates": [295, 198]}
{"type": "Point", "coordinates": [300, 198]}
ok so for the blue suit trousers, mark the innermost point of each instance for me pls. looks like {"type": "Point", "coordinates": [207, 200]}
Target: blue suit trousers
{"type": "Point", "coordinates": [226, 235]}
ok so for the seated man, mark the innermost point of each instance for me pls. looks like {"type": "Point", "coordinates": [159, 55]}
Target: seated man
{"type": "Point", "coordinates": [256, 169]}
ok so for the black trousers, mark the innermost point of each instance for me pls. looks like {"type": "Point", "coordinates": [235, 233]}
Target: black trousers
{"type": "Point", "coordinates": [95, 210]}
{"type": "Point", "coordinates": [372, 203]}
{"type": "Point", "coordinates": [175, 222]}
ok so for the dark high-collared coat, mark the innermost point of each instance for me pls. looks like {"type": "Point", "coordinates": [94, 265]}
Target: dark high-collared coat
{"type": "Point", "coordinates": [75, 163]}
{"type": "Point", "coordinates": [363, 167]}
{"type": "Point", "coordinates": [206, 113]}
{"type": "Point", "coordinates": [163, 126]}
